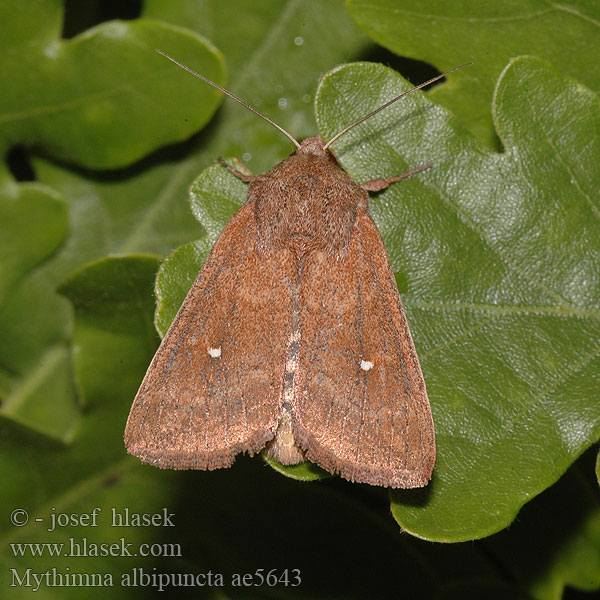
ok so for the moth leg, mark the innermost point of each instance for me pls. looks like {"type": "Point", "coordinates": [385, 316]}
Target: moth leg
{"type": "Point", "coordinates": [245, 175]}
{"type": "Point", "coordinates": [376, 185]}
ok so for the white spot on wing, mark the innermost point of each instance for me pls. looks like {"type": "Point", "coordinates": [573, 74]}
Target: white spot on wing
{"type": "Point", "coordinates": [366, 365]}
{"type": "Point", "coordinates": [214, 352]}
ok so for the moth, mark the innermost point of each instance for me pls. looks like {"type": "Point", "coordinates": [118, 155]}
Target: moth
{"type": "Point", "coordinates": [292, 338]}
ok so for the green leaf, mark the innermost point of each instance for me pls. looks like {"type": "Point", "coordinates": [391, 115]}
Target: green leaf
{"type": "Point", "coordinates": [103, 99]}
{"type": "Point", "coordinates": [276, 53]}
{"type": "Point", "coordinates": [34, 223]}
{"type": "Point", "coordinates": [305, 471]}
{"type": "Point", "coordinates": [139, 210]}
{"type": "Point", "coordinates": [174, 280]}
{"type": "Point", "coordinates": [447, 34]}
{"type": "Point", "coordinates": [35, 361]}
{"type": "Point", "coordinates": [35, 383]}
{"type": "Point", "coordinates": [112, 310]}
{"type": "Point", "coordinates": [547, 559]}
{"type": "Point", "coordinates": [496, 257]}
{"type": "Point", "coordinates": [114, 340]}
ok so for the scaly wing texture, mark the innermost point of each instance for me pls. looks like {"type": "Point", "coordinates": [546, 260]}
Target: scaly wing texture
{"type": "Point", "coordinates": [213, 388]}
{"type": "Point", "coordinates": [360, 407]}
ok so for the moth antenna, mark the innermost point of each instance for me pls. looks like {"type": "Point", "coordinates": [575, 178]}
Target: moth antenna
{"type": "Point", "coordinates": [374, 112]}
{"type": "Point", "coordinates": [232, 96]}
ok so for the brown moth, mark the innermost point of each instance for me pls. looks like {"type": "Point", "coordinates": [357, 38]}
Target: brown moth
{"type": "Point", "coordinates": [292, 338]}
